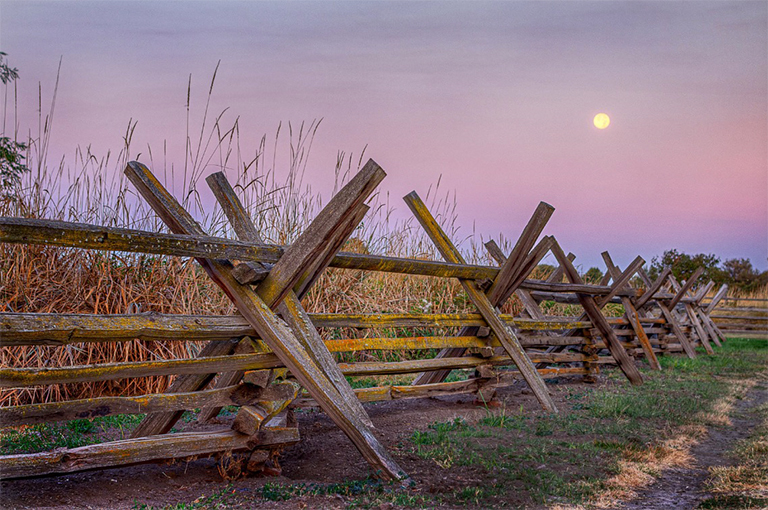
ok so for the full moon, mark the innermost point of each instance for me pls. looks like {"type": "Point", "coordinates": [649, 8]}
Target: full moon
{"type": "Point", "coordinates": [601, 121]}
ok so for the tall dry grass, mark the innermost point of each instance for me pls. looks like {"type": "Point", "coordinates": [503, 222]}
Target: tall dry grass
{"type": "Point", "coordinates": [92, 189]}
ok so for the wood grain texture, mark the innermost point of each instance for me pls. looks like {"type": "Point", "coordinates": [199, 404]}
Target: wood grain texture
{"type": "Point", "coordinates": [270, 328]}
{"type": "Point", "coordinates": [502, 330]}
{"type": "Point", "coordinates": [632, 316]}
{"type": "Point", "coordinates": [593, 311]}
{"type": "Point", "coordinates": [134, 451]}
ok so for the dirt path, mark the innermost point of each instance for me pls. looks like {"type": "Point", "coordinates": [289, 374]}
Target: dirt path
{"type": "Point", "coordinates": [683, 488]}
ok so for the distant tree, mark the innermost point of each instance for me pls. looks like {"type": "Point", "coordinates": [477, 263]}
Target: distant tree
{"type": "Point", "coordinates": [593, 275]}
{"type": "Point", "coordinates": [737, 273]}
{"type": "Point", "coordinates": [683, 265]}
{"type": "Point", "coordinates": [11, 152]}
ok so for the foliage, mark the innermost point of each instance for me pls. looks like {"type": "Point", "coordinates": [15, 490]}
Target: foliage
{"type": "Point", "coordinates": [737, 273]}
{"type": "Point", "coordinates": [11, 151]}
{"type": "Point", "coordinates": [11, 162]}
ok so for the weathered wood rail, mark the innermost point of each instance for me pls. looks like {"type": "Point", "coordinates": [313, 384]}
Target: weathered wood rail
{"type": "Point", "coordinates": [272, 358]}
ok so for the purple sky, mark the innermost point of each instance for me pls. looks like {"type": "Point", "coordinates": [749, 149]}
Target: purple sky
{"type": "Point", "coordinates": [497, 97]}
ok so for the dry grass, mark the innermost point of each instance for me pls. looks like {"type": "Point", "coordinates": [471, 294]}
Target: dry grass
{"type": "Point", "coordinates": [92, 189]}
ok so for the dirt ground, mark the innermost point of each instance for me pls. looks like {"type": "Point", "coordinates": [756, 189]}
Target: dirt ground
{"type": "Point", "coordinates": [325, 455]}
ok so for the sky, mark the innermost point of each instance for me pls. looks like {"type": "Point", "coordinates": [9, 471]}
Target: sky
{"type": "Point", "coordinates": [497, 98]}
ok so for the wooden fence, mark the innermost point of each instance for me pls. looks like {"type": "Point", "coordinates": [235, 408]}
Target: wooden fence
{"type": "Point", "coordinates": [271, 358]}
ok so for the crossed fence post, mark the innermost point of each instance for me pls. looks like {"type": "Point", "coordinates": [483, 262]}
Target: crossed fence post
{"type": "Point", "coordinates": [512, 266]}
{"type": "Point", "coordinates": [693, 319]}
{"type": "Point", "coordinates": [504, 333]}
{"type": "Point", "coordinates": [592, 310]}
{"type": "Point", "coordinates": [652, 289]}
{"type": "Point", "coordinates": [257, 311]}
{"type": "Point", "coordinates": [632, 315]}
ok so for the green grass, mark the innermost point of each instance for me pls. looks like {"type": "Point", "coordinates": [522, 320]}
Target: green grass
{"type": "Point", "coordinates": [70, 434]}
{"type": "Point", "coordinates": [527, 458]}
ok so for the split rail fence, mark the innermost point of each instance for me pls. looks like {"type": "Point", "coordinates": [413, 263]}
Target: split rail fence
{"type": "Point", "coordinates": [271, 358]}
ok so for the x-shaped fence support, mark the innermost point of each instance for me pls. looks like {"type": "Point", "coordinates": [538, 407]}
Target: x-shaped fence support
{"type": "Point", "coordinates": [651, 289]}
{"type": "Point", "coordinates": [253, 306]}
{"type": "Point", "coordinates": [514, 271]}
{"type": "Point", "coordinates": [691, 313]}
{"type": "Point", "coordinates": [632, 316]}
{"type": "Point", "coordinates": [592, 310]}
{"type": "Point", "coordinates": [482, 301]}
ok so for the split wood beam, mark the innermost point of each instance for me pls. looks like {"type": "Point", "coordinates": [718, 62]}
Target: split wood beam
{"type": "Point", "coordinates": [665, 311]}
{"type": "Point", "coordinates": [291, 309]}
{"type": "Point", "coordinates": [528, 237]}
{"type": "Point", "coordinates": [651, 287]}
{"type": "Point", "coordinates": [682, 291]}
{"type": "Point", "coordinates": [502, 330]}
{"type": "Point", "coordinates": [626, 364]}
{"type": "Point", "coordinates": [719, 295]}
{"type": "Point", "coordinates": [139, 450]}
{"type": "Point", "coordinates": [692, 317]}
{"type": "Point", "coordinates": [705, 319]}
{"type": "Point", "coordinates": [273, 331]}
{"type": "Point", "coordinates": [513, 265]}
{"type": "Point", "coordinates": [633, 317]}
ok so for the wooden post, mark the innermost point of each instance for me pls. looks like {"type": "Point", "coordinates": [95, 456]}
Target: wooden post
{"type": "Point", "coordinates": [291, 309]}
{"type": "Point", "coordinates": [666, 312]}
{"type": "Point", "coordinates": [632, 317]}
{"type": "Point", "coordinates": [528, 237]}
{"type": "Point", "coordinates": [598, 320]}
{"type": "Point", "coordinates": [269, 327]}
{"type": "Point", "coordinates": [503, 332]}
{"type": "Point", "coordinates": [692, 317]}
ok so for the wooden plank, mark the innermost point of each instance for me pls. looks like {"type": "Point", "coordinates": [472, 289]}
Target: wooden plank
{"type": "Point", "coordinates": [134, 451]}
{"type": "Point", "coordinates": [239, 395]}
{"type": "Point", "coordinates": [347, 206]}
{"type": "Point", "coordinates": [652, 288]}
{"type": "Point", "coordinates": [309, 278]}
{"type": "Point", "coordinates": [503, 332]}
{"type": "Point", "coordinates": [693, 318]}
{"type": "Point", "coordinates": [511, 267]}
{"type": "Point", "coordinates": [707, 322]}
{"type": "Point", "coordinates": [719, 295]}
{"type": "Point", "coordinates": [78, 235]}
{"type": "Point", "coordinates": [590, 307]}
{"type": "Point", "coordinates": [202, 368]}
{"type": "Point", "coordinates": [685, 288]}
{"type": "Point", "coordinates": [633, 317]}
{"type": "Point", "coordinates": [472, 385]}
{"type": "Point", "coordinates": [669, 316]}
{"type": "Point", "coordinates": [309, 246]}
{"type": "Point", "coordinates": [271, 329]}
{"type": "Point", "coordinates": [620, 281]}
{"type": "Point", "coordinates": [66, 329]}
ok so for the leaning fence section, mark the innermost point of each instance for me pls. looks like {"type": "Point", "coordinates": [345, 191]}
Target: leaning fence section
{"type": "Point", "coordinates": [274, 356]}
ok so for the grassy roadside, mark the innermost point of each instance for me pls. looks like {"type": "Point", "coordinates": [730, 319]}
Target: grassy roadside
{"type": "Point", "coordinates": [610, 440]}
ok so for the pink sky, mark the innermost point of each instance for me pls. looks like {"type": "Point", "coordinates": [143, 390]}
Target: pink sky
{"type": "Point", "coordinates": [496, 97]}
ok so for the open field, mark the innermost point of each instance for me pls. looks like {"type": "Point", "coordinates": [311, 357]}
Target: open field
{"type": "Point", "coordinates": [609, 444]}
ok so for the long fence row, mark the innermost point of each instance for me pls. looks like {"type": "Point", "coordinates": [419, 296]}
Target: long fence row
{"type": "Point", "coordinates": [272, 357]}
